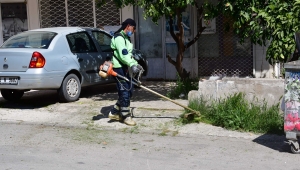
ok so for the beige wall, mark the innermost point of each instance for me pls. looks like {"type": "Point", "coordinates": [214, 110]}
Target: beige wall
{"type": "Point", "coordinates": [33, 14]}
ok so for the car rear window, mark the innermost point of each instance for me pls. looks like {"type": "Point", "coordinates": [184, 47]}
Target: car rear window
{"type": "Point", "coordinates": [30, 39]}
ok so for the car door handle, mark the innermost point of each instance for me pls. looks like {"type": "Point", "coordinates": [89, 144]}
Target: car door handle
{"type": "Point", "coordinates": [80, 59]}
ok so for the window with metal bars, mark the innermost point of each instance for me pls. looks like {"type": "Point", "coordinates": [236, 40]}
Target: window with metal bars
{"type": "Point", "coordinates": [56, 13]}
{"type": "Point", "coordinates": [222, 54]}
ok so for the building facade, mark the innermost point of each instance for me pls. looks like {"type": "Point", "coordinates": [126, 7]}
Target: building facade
{"type": "Point", "coordinates": [216, 53]}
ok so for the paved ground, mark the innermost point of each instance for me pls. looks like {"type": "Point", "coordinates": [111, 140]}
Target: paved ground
{"type": "Point", "coordinates": [153, 114]}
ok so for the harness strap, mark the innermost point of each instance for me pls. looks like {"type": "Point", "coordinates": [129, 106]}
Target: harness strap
{"type": "Point", "coordinates": [116, 35]}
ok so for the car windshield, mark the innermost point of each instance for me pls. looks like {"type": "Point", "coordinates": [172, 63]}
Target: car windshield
{"type": "Point", "coordinates": [30, 39]}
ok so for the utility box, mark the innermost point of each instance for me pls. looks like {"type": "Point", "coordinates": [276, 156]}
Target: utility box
{"type": "Point", "coordinates": [292, 104]}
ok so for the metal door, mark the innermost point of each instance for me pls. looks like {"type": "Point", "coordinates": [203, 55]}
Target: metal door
{"type": "Point", "coordinates": [156, 42]}
{"type": "Point", "coordinates": [150, 41]}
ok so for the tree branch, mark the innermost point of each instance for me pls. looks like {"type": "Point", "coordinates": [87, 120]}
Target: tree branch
{"type": "Point", "coordinates": [171, 60]}
{"type": "Point", "coordinates": [172, 29]}
{"type": "Point", "coordinates": [179, 24]}
{"type": "Point", "coordinates": [195, 38]}
{"type": "Point", "coordinates": [200, 13]}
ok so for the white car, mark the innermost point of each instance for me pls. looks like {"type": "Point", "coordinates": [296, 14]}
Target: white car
{"type": "Point", "coordinates": [62, 58]}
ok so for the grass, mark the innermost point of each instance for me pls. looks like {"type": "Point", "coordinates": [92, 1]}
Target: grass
{"type": "Point", "coordinates": [236, 113]}
{"type": "Point", "coordinates": [182, 88]}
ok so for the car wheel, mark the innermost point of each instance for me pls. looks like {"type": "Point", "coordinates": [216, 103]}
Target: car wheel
{"type": "Point", "coordinates": [12, 95]}
{"type": "Point", "coordinates": [70, 89]}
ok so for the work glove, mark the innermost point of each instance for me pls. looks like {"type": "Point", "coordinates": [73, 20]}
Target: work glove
{"type": "Point", "coordinates": [140, 67]}
{"type": "Point", "coordinates": [136, 69]}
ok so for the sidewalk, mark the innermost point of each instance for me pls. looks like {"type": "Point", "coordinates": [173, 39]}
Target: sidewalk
{"type": "Point", "coordinates": [159, 117]}
{"type": "Point", "coordinates": [152, 114]}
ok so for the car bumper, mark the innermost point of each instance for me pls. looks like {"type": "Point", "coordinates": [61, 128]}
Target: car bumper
{"type": "Point", "coordinates": [34, 79]}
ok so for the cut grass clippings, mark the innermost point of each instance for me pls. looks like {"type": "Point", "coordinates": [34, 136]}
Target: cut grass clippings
{"type": "Point", "coordinates": [236, 113]}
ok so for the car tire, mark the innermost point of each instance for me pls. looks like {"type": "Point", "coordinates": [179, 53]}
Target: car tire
{"type": "Point", "coordinates": [70, 89]}
{"type": "Point", "coordinates": [12, 95]}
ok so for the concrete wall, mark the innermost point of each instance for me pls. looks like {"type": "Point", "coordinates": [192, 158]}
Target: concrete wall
{"type": "Point", "coordinates": [270, 90]}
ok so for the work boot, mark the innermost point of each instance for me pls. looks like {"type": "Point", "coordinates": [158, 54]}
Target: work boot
{"type": "Point", "coordinates": [129, 121]}
{"type": "Point", "coordinates": [114, 116]}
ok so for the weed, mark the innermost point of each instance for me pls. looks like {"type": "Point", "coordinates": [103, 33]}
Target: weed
{"type": "Point", "coordinates": [163, 133]}
{"type": "Point", "coordinates": [236, 113]}
{"type": "Point", "coordinates": [175, 133]}
{"type": "Point", "coordinates": [92, 136]}
{"type": "Point", "coordinates": [182, 88]}
{"type": "Point", "coordinates": [124, 130]}
{"type": "Point", "coordinates": [89, 125]}
{"type": "Point", "coordinates": [142, 125]}
{"type": "Point", "coordinates": [134, 130]}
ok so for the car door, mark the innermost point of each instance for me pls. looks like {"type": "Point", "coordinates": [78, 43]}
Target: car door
{"type": "Point", "coordinates": [103, 41]}
{"type": "Point", "coordinates": [86, 53]}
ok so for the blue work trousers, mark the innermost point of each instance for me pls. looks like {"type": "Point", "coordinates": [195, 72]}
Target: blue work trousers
{"type": "Point", "coordinates": [125, 90]}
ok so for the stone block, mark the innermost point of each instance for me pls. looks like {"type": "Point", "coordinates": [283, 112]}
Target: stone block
{"type": "Point", "coordinates": [255, 89]}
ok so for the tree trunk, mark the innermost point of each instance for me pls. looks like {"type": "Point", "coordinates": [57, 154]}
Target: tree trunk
{"type": "Point", "coordinates": [179, 39]}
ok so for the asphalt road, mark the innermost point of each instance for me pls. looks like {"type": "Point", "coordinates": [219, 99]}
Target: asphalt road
{"type": "Point", "coordinates": [40, 133]}
{"type": "Point", "coordinates": [35, 146]}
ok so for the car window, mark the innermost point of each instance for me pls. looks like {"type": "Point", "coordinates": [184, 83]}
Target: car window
{"type": "Point", "coordinates": [102, 39]}
{"type": "Point", "coordinates": [80, 43]}
{"type": "Point", "coordinates": [30, 39]}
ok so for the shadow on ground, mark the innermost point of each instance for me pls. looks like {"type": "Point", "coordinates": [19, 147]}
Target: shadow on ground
{"type": "Point", "coordinates": [275, 142]}
{"type": "Point", "coordinates": [106, 109]}
{"type": "Point", "coordinates": [43, 98]}
{"type": "Point", "coordinates": [139, 94]}
{"type": "Point", "coordinates": [32, 100]}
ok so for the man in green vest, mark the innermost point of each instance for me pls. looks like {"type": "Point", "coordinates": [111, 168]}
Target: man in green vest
{"type": "Point", "coordinates": [122, 62]}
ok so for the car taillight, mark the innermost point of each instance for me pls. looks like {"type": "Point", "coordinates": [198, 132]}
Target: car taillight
{"type": "Point", "coordinates": [37, 60]}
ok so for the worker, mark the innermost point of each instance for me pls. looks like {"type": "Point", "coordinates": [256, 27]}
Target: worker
{"type": "Point", "coordinates": [123, 64]}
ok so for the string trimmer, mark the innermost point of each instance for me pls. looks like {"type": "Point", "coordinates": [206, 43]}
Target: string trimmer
{"type": "Point", "coordinates": [107, 70]}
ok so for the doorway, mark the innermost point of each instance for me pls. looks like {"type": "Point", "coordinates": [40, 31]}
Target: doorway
{"type": "Point", "coordinates": [156, 42]}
